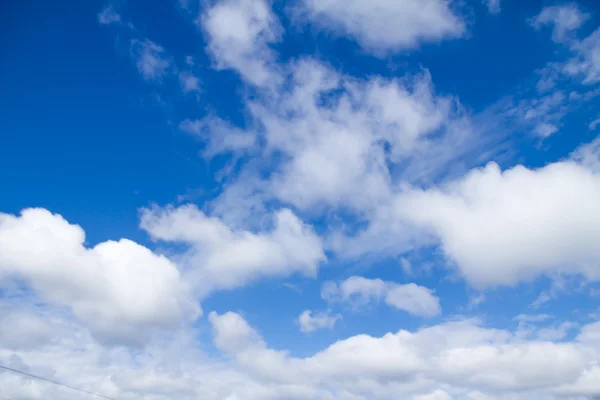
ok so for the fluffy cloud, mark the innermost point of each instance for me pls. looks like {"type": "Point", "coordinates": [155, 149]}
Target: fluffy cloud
{"type": "Point", "coordinates": [563, 19]}
{"type": "Point", "coordinates": [454, 355]}
{"type": "Point", "coordinates": [379, 123]}
{"type": "Point", "coordinates": [461, 360]}
{"type": "Point", "coordinates": [310, 322]}
{"type": "Point", "coordinates": [386, 25]}
{"type": "Point", "coordinates": [502, 227]}
{"type": "Point", "coordinates": [359, 291]}
{"type": "Point", "coordinates": [239, 33]}
{"type": "Point", "coordinates": [222, 258]}
{"type": "Point", "coordinates": [120, 290]}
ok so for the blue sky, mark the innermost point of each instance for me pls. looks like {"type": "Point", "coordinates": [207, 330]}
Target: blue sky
{"type": "Point", "coordinates": [336, 199]}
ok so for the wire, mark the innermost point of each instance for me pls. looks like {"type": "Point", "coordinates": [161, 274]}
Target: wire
{"type": "Point", "coordinates": [54, 382]}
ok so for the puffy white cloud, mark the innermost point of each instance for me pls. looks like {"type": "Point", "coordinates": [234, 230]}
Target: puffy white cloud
{"type": "Point", "coordinates": [461, 360]}
{"type": "Point", "coordinates": [239, 33]}
{"type": "Point", "coordinates": [359, 291]}
{"type": "Point", "coordinates": [120, 290]}
{"type": "Point", "coordinates": [310, 322]}
{"type": "Point", "coordinates": [386, 25]}
{"type": "Point", "coordinates": [222, 258]}
{"type": "Point", "coordinates": [377, 122]}
{"type": "Point", "coordinates": [466, 359]}
{"type": "Point", "coordinates": [564, 19]}
{"type": "Point", "coordinates": [152, 61]}
{"type": "Point", "coordinates": [502, 227]}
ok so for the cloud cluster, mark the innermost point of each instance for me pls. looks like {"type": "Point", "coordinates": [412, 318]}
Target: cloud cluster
{"type": "Point", "coordinates": [383, 26]}
{"type": "Point", "coordinates": [310, 322]}
{"type": "Point", "coordinates": [222, 258]}
{"type": "Point", "coordinates": [503, 227]}
{"type": "Point", "coordinates": [359, 292]}
{"type": "Point", "coordinates": [563, 19]}
{"type": "Point", "coordinates": [239, 33]}
{"type": "Point", "coordinates": [463, 357]}
{"type": "Point", "coordinates": [119, 289]}
{"type": "Point", "coordinates": [341, 168]}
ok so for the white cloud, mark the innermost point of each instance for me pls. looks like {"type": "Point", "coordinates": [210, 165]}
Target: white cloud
{"type": "Point", "coordinates": [120, 290]}
{"type": "Point", "coordinates": [594, 124]}
{"type": "Point", "coordinates": [543, 112]}
{"type": "Point", "coordinates": [437, 395]}
{"type": "Point", "coordinates": [502, 227]}
{"type": "Point", "coordinates": [466, 359]}
{"type": "Point", "coordinates": [220, 136]}
{"type": "Point", "coordinates": [386, 25]}
{"type": "Point", "coordinates": [400, 121]}
{"type": "Point", "coordinates": [222, 258]}
{"type": "Point", "coordinates": [239, 33]}
{"type": "Point", "coordinates": [586, 63]}
{"type": "Point", "coordinates": [189, 82]}
{"type": "Point", "coordinates": [555, 333]}
{"type": "Point", "coordinates": [310, 322]}
{"type": "Point", "coordinates": [564, 20]}
{"type": "Point", "coordinates": [588, 155]}
{"type": "Point", "coordinates": [359, 292]}
{"type": "Point", "coordinates": [152, 61]}
{"type": "Point", "coordinates": [109, 16]}
{"type": "Point", "coordinates": [461, 360]}
{"type": "Point", "coordinates": [544, 129]}
{"type": "Point", "coordinates": [24, 329]}
{"type": "Point", "coordinates": [493, 6]}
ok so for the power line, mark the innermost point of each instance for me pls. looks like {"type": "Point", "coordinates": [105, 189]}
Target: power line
{"type": "Point", "coordinates": [54, 382]}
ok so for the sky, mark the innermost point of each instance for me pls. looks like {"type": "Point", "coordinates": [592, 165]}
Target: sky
{"type": "Point", "coordinates": [293, 200]}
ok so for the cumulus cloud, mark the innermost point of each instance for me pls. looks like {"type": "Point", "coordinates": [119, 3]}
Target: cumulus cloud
{"type": "Point", "coordinates": [310, 322]}
{"type": "Point", "coordinates": [119, 289]}
{"type": "Point", "coordinates": [239, 33]}
{"type": "Point", "coordinates": [563, 19]}
{"type": "Point", "coordinates": [378, 123]}
{"type": "Point", "coordinates": [502, 227]}
{"type": "Point", "coordinates": [461, 354]}
{"type": "Point", "coordinates": [462, 360]}
{"type": "Point", "coordinates": [359, 292]}
{"type": "Point", "coordinates": [222, 258]}
{"type": "Point", "coordinates": [386, 25]}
